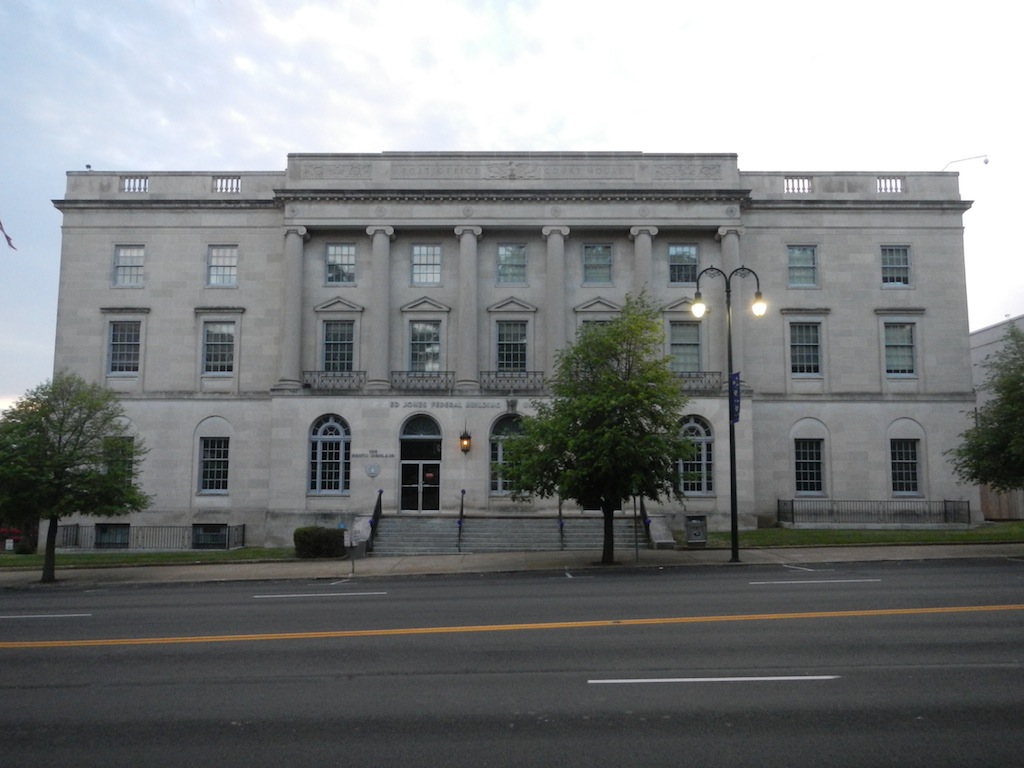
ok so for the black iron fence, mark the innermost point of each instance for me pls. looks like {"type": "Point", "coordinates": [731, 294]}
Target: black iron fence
{"type": "Point", "coordinates": [701, 382]}
{"type": "Point", "coordinates": [423, 381]}
{"type": "Point", "coordinates": [511, 381]}
{"type": "Point", "coordinates": [150, 537]}
{"type": "Point", "coordinates": [334, 381]}
{"type": "Point", "coordinates": [866, 512]}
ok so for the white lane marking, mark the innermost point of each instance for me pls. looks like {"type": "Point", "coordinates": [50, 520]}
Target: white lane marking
{"type": "Point", "coordinates": [317, 594]}
{"type": "Point", "coordinates": [774, 679]}
{"type": "Point", "coordinates": [818, 581]}
{"type": "Point", "coordinates": [800, 568]}
{"type": "Point", "coordinates": [49, 616]}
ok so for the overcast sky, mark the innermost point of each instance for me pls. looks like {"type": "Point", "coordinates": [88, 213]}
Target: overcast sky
{"type": "Point", "coordinates": [226, 85]}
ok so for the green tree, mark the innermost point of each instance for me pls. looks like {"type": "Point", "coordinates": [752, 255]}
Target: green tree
{"type": "Point", "coordinates": [65, 448]}
{"type": "Point", "coordinates": [611, 429]}
{"type": "Point", "coordinates": [992, 451]}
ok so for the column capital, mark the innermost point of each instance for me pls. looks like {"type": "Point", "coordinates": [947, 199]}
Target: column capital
{"type": "Point", "coordinates": [383, 229]}
{"type": "Point", "coordinates": [463, 230]}
{"type": "Point", "coordinates": [728, 230]}
{"type": "Point", "coordinates": [300, 231]}
{"type": "Point", "coordinates": [642, 229]}
{"type": "Point", "coordinates": [555, 230]}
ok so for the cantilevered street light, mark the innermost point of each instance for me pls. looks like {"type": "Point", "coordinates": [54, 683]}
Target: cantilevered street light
{"type": "Point", "coordinates": [758, 307]}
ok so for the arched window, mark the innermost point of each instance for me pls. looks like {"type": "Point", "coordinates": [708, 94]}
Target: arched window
{"type": "Point", "coordinates": [330, 455]}
{"type": "Point", "coordinates": [696, 473]}
{"type": "Point", "coordinates": [503, 427]}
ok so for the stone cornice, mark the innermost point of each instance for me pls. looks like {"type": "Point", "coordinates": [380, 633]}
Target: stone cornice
{"type": "Point", "coordinates": [513, 196]}
{"type": "Point", "coordinates": [190, 204]}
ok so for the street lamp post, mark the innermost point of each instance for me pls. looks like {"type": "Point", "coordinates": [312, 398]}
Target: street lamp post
{"type": "Point", "coordinates": [758, 307]}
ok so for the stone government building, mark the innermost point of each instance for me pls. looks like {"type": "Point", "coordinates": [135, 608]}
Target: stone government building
{"type": "Point", "coordinates": [290, 343]}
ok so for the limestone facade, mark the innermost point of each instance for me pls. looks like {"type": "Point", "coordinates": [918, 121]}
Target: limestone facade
{"type": "Point", "coordinates": [415, 297]}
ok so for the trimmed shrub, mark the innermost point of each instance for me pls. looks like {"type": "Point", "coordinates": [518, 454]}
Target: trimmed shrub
{"type": "Point", "coordinates": [319, 542]}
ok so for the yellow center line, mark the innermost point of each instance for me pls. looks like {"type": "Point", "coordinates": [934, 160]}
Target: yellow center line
{"type": "Point", "coordinates": [349, 633]}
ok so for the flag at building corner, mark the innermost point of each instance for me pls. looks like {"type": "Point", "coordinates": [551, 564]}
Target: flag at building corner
{"type": "Point", "coordinates": [8, 237]}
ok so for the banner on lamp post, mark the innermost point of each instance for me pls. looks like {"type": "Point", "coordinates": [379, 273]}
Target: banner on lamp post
{"type": "Point", "coordinates": [734, 397]}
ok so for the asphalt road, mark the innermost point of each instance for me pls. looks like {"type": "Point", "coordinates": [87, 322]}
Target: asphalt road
{"type": "Point", "coordinates": [847, 664]}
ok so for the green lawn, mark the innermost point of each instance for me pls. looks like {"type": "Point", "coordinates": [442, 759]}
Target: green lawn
{"type": "Point", "coordinates": [101, 559]}
{"type": "Point", "coordinates": [788, 537]}
{"type": "Point", "coordinates": [763, 537]}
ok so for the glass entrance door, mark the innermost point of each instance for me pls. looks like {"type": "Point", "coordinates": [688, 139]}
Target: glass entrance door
{"type": "Point", "coordinates": [421, 466]}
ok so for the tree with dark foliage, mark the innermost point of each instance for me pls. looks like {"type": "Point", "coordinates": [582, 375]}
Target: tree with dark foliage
{"type": "Point", "coordinates": [992, 451]}
{"type": "Point", "coordinates": [611, 429]}
{"type": "Point", "coordinates": [65, 448]}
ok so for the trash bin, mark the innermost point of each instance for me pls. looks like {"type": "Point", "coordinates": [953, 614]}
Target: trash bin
{"type": "Point", "coordinates": [696, 530]}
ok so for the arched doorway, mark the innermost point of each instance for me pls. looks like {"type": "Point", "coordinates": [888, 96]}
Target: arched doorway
{"type": "Point", "coordinates": [421, 465]}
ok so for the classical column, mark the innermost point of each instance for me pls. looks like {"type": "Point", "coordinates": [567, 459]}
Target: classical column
{"type": "Point", "coordinates": [642, 256]}
{"type": "Point", "coordinates": [290, 371]}
{"type": "Point", "coordinates": [467, 369]}
{"type": "Point", "coordinates": [554, 293]}
{"type": "Point", "coordinates": [729, 237]}
{"type": "Point", "coordinates": [378, 316]}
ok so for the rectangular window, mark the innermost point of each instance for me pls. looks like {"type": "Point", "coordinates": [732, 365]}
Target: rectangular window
{"type": "Point", "coordinates": [119, 459]}
{"type": "Point", "coordinates": [213, 464]}
{"type": "Point", "coordinates": [597, 264]}
{"type": "Point", "coordinates": [218, 347]}
{"type": "Point", "coordinates": [899, 349]}
{"type": "Point", "coordinates": [805, 348]}
{"type": "Point", "coordinates": [895, 265]}
{"type": "Point", "coordinates": [904, 466]}
{"type": "Point", "coordinates": [803, 266]}
{"type": "Point", "coordinates": [339, 345]}
{"type": "Point", "coordinates": [684, 346]}
{"type": "Point", "coordinates": [426, 265]}
{"type": "Point", "coordinates": [112, 535]}
{"type": "Point", "coordinates": [425, 345]}
{"type": "Point", "coordinates": [512, 263]}
{"type": "Point", "coordinates": [129, 261]}
{"type": "Point", "coordinates": [125, 346]}
{"type": "Point", "coordinates": [810, 469]}
{"type": "Point", "coordinates": [222, 266]}
{"type": "Point", "coordinates": [511, 345]}
{"type": "Point", "coordinates": [682, 263]}
{"type": "Point", "coordinates": [341, 264]}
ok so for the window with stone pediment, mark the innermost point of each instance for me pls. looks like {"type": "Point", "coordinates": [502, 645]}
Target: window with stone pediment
{"type": "Point", "coordinates": [124, 352]}
{"type": "Point", "coordinates": [425, 345]}
{"type": "Point", "coordinates": [511, 352]}
{"type": "Point", "coordinates": [684, 346]}
{"type": "Point", "coordinates": [339, 345]}
{"type": "Point", "coordinates": [805, 348]}
{"type": "Point", "coordinates": [899, 349]}
{"type": "Point", "coordinates": [218, 347]}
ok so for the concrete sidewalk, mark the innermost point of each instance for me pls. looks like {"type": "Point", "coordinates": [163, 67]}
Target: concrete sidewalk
{"type": "Point", "coordinates": [503, 562]}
